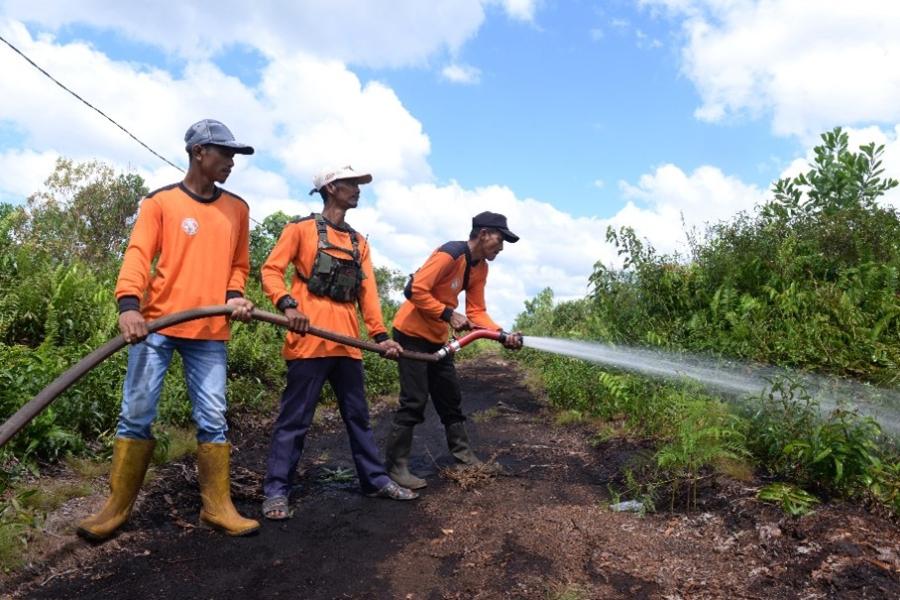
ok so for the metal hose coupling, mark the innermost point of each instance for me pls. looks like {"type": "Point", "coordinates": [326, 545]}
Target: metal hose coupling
{"type": "Point", "coordinates": [455, 345]}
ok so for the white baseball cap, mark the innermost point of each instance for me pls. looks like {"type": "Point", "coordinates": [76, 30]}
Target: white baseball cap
{"type": "Point", "coordinates": [332, 175]}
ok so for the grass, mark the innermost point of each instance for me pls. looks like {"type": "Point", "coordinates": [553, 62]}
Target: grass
{"type": "Point", "coordinates": [25, 506]}
{"type": "Point", "coordinates": [610, 430]}
{"type": "Point", "coordinates": [337, 475]}
{"type": "Point", "coordinates": [87, 468]}
{"type": "Point", "coordinates": [174, 443]}
{"type": "Point", "coordinates": [567, 591]}
{"type": "Point", "coordinates": [739, 469]}
{"type": "Point", "coordinates": [13, 540]}
{"type": "Point", "coordinates": [534, 383]}
{"type": "Point", "coordinates": [483, 416]}
{"type": "Point", "coordinates": [568, 417]}
{"type": "Point", "coordinates": [471, 476]}
{"type": "Point", "coordinates": [477, 349]}
{"type": "Point", "coordinates": [23, 512]}
{"type": "Point", "coordinates": [51, 495]}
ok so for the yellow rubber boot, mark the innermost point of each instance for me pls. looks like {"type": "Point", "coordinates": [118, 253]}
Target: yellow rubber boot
{"type": "Point", "coordinates": [129, 465]}
{"type": "Point", "coordinates": [213, 473]}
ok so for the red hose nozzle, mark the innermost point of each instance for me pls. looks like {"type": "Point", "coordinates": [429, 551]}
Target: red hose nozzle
{"type": "Point", "coordinates": [454, 346]}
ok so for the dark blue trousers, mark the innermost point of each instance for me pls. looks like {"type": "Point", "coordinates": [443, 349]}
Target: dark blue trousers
{"type": "Point", "coordinates": [305, 379]}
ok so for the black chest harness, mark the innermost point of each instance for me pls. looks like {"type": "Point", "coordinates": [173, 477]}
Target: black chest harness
{"type": "Point", "coordinates": [337, 278]}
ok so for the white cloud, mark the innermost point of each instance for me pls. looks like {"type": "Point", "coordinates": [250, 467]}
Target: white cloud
{"type": "Point", "coordinates": [353, 31]}
{"type": "Point", "coordinates": [358, 32]}
{"type": "Point", "coordinates": [523, 10]}
{"type": "Point", "coordinates": [151, 103]}
{"type": "Point", "coordinates": [811, 65]}
{"type": "Point", "coordinates": [406, 222]}
{"type": "Point", "coordinates": [666, 201]}
{"type": "Point", "coordinates": [307, 112]}
{"type": "Point", "coordinates": [22, 172]}
{"type": "Point", "coordinates": [325, 116]}
{"type": "Point", "coordinates": [458, 73]}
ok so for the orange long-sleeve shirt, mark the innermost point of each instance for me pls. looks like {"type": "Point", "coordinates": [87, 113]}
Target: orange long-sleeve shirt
{"type": "Point", "coordinates": [434, 294]}
{"type": "Point", "coordinates": [298, 245]}
{"type": "Point", "coordinates": [202, 246]}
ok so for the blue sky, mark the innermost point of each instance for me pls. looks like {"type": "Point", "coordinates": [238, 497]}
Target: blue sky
{"type": "Point", "coordinates": [575, 98]}
{"type": "Point", "coordinates": [568, 116]}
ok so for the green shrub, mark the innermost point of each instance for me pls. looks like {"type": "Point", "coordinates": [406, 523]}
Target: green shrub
{"type": "Point", "coordinates": [705, 434]}
{"type": "Point", "coordinates": [839, 455]}
{"type": "Point", "coordinates": [792, 499]}
{"type": "Point", "coordinates": [811, 280]}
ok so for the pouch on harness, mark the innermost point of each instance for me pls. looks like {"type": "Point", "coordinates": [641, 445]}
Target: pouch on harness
{"type": "Point", "coordinates": [336, 278]}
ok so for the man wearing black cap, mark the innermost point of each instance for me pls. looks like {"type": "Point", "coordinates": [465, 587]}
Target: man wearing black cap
{"type": "Point", "coordinates": [423, 324]}
{"type": "Point", "coordinates": [198, 235]}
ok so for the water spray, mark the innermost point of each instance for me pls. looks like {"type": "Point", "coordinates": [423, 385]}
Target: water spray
{"type": "Point", "coordinates": [733, 378]}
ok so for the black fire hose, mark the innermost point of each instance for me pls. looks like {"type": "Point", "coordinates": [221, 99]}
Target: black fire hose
{"type": "Point", "coordinates": [47, 395]}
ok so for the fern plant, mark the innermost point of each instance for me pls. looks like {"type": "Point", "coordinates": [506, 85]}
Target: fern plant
{"type": "Point", "coordinates": [792, 499]}
{"type": "Point", "coordinates": [705, 435]}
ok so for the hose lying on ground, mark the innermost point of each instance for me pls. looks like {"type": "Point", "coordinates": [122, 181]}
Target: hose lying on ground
{"type": "Point", "coordinates": [43, 399]}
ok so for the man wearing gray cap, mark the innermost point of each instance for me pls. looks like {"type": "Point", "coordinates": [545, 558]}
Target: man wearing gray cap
{"type": "Point", "coordinates": [423, 324]}
{"type": "Point", "coordinates": [198, 233]}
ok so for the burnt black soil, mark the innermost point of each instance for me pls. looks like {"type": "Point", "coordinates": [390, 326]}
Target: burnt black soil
{"type": "Point", "coordinates": [540, 530]}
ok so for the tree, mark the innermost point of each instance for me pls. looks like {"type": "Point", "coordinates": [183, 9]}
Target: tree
{"type": "Point", "coordinates": [390, 284]}
{"type": "Point", "coordinates": [837, 180]}
{"type": "Point", "coordinates": [9, 214]}
{"type": "Point", "coordinates": [536, 317]}
{"type": "Point", "coordinates": [85, 211]}
{"type": "Point", "coordinates": [263, 238]}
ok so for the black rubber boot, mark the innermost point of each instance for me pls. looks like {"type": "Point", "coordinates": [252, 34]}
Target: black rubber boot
{"type": "Point", "coordinates": [396, 461]}
{"type": "Point", "coordinates": [458, 443]}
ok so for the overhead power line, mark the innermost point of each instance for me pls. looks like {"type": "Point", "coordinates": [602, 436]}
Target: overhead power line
{"type": "Point", "coordinates": [103, 114]}
{"type": "Point", "coordinates": [88, 104]}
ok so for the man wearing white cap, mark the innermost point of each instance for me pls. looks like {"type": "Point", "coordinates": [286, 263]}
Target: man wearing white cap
{"type": "Point", "coordinates": [333, 276]}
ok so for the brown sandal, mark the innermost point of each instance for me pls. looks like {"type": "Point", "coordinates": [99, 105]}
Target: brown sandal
{"type": "Point", "coordinates": [392, 491]}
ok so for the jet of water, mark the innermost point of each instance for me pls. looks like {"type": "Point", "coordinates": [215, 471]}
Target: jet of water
{"type": "Point", "coordinates": [732, 378]}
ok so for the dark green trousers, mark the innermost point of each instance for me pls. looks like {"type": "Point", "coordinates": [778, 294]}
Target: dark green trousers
{"type": "Point", "coordinates": [419, 379]}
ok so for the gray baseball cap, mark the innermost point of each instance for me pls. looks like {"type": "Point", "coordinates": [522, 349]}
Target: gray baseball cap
{"type": "Point", "coordinates": [210, 131]}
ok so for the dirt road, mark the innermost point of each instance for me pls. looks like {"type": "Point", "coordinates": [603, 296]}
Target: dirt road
{"type": "Point", "coordinates": [542, 530]}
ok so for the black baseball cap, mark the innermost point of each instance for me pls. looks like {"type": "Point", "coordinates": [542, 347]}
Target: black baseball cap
{"type": "Point", "coordinates": [496, 221]}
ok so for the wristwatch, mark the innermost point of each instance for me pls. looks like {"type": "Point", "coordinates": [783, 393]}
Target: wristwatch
{"type": "Point", "coordinates": [286, 303]}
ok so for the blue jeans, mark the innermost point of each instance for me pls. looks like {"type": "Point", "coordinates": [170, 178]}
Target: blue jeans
{"type": "Point", "coordinates": [204, 372]}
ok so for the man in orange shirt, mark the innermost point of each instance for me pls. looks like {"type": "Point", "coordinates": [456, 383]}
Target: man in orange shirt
{"type": "Point", "coordinates": [423, 324]}
{"type": "Point", "coordinates": [332, 276]}
{"type": "Point", "coordinates": [198, 233]}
